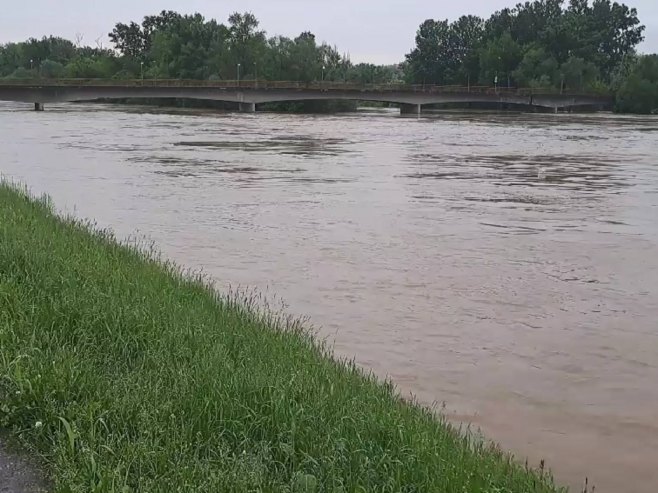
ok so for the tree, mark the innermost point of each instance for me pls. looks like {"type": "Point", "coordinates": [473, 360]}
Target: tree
{"type": "Point", "coordinates": [639, 91]}
{"type": "Point", "coordinates": [246, 42]}
{"type": "Point", "coordinates": [305, 58]}
{"type": "Point", "coordinates": [466, 35]}
{"type": "Point", "coordinates": [128, 39]}
{"type": "Point", "coordinates": [499, 60]}
{"type": "Point", "coordinates": [334, 64]}
{"type": "Point", "coordinates": [152, 24]}
{"type": "Point", "coordinates": [576, 73]}
{"type": "Point", "coordinates": [619, 32]}
{"type": "Point", "coordinates": [445, 52]}
{"type": "Point", "coordinates": [135, 40]}
{"type": "Point", "coordinates": [537, 68]}
{"type": "Point", "coordinates": [499, 23]}
{"type": "Point", "coordinates": [429, 62]}
{"type": "Point", "coordinates": [52, 70]}
{"type": "Point", "coordinates": [188, 49]}
{"type": "Point", "coordinates": [11, 58]}
{"type": "Point", "coordinates": [529, 20]}
{"type": "Point", "coordinates": [21, 73]}
{"type": "Point", "coordinates": [368, 73]}
{"type": "Point", "coordinates": [586, 40]}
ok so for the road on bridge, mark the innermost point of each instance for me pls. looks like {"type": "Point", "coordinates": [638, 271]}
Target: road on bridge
{"type": "Point", "coordinates": [249, 93]}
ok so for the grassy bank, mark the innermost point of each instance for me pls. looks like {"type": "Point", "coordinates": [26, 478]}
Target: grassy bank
{"type": "Point", "coordinates": [126, 375]}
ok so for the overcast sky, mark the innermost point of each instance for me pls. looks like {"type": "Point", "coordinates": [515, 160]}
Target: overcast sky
{"type": "Point", "coordinates": [378, 31]}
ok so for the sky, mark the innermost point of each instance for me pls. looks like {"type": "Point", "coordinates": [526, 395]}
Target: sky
{"type": "Point", "coordinates": [376, 31]}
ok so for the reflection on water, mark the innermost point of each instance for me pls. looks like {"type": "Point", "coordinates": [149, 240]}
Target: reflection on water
{"type": "Point", "coordinates": [504, 264]}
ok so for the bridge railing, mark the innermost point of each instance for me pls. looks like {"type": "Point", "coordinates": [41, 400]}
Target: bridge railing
{"type": "Point", "coordinates": [242, 84]}
{"type": "Point", "coordinates": [287, 85]}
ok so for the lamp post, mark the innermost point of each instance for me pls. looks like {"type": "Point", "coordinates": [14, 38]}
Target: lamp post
{"type": "Point", "coordinates": [256, 74]}
{"type": "Point", "coordinates": [239, 65]}
{"type": "Point", "coordinates": [500, 61]}
{"type": "Point", "coordinates": [31, 63]}
{"type": "Point", "coordinates": [323, 69]}
{"type": "Point", "coordinates": [141, 70]}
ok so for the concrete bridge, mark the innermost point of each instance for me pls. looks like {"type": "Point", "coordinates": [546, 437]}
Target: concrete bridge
{"type": "Point", "coordinates": [247, 94]}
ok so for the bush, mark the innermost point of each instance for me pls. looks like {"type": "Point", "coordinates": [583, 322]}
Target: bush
{"type": "Point", "coordinates": [51, 70]}
{"type": "Point", "coordinates": [21, 73]}
{"type": "Point", "coordinates": [638, 93]}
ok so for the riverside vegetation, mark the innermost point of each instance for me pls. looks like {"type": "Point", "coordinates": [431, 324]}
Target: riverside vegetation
{"type": "Point", "coordinates": [125, 373]}
{"type": "Point", "coordinates": [544, 44]}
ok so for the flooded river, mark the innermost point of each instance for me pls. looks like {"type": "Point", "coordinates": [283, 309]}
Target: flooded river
{"type": "Point", "coordinates": [503, 264]}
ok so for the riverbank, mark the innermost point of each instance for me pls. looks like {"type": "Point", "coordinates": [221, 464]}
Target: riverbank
{"type": "Point", "coordinates": [122, 371]}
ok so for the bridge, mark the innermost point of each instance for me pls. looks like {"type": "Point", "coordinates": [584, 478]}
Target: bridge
{"type": "Point", "coordinates": [247, 94]}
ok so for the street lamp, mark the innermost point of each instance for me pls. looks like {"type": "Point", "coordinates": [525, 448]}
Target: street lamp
{"type": "Point", "coordinates": [141, 67]}
{"type": "Point", "coordinates": [239, 65]}
{"type": "Point", "coordinates": [323, 69]}
{"type": "Point", "coordinates": [500, 61]}
{"type": "Point", "coordinates": [31, 63]}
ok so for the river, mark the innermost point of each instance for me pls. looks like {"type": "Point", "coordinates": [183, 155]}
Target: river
{"type": "Point", "coordinates": [502, 265]}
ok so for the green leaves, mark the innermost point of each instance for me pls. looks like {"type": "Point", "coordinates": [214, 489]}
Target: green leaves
{"type": "Point", "coordinates": [638, 92]}
{"type": "Point", "coordinates": [539, 43]}
{"type": "Point", "coordinates": [69, 434]}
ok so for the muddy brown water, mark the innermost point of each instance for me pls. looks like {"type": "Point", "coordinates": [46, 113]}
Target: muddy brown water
{"type": "Point", "coordinates": [504, 264]}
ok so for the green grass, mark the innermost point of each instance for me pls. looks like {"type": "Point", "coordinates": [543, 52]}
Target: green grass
{"type": "Point", "coordinates": [125, 374]}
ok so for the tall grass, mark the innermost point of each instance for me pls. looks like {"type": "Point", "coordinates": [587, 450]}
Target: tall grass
{"type": "Point", "coordinates": [126, 374]}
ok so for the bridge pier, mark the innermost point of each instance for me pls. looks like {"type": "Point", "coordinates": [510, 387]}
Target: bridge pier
{"type": "Point", "coordinates": [247, 107]}
{"type": "Point", "coordinates": [38, 107]}
{"type": "Point", "coordinates": [410, 109]}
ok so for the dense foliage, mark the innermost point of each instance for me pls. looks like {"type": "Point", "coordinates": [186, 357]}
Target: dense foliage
{"type": "Point", "coordinates": [638, 91]}
{"type": "Point", "coordinates": [171, 45]}
{"type": "Point", "coordinates": [571, 46]}
{"type": "Point", "coordinates": [578, 46]}
{"type": "Point", "coordinates": [56, 57]}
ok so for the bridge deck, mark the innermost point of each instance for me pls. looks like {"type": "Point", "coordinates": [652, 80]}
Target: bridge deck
{"type": "Point", "coordinates": [261, 91]}
{"type": "Point", "coordinates": [299, 85]}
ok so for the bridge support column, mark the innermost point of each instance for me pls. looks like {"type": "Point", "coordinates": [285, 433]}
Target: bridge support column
{"type": "Point", "coordinates": [247, 107]}
{"type": "Point", "coordinates": [38, 107]}
{"type": "Point", "coordinates": [410, 109]}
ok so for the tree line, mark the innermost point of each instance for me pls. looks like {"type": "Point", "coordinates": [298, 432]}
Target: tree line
{"type": "Point", "coordinates": [567, 46]}
{"type": "Point", "coordinates": [571, 46]}
{"type": "Point", "coordinates": [171, 45]}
